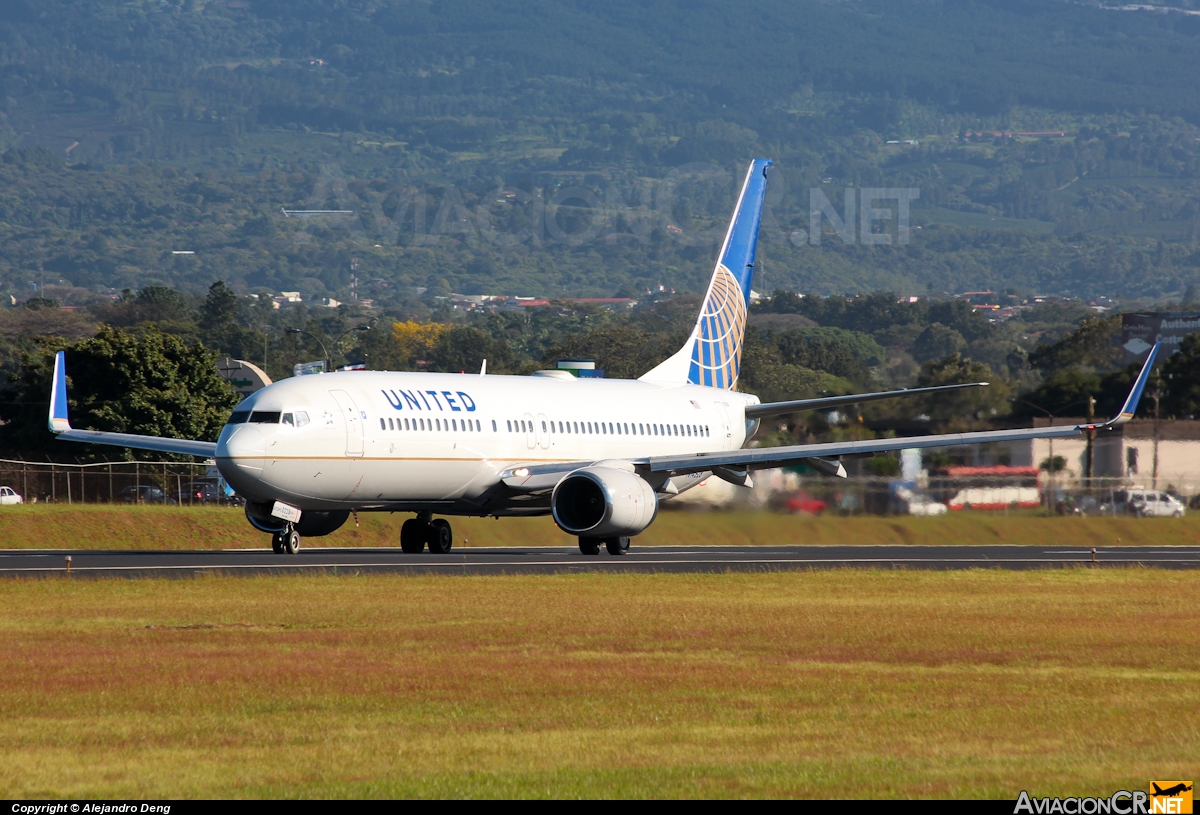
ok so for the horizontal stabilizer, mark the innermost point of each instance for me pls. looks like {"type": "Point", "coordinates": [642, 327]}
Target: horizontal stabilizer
{"type": "Point", "coordinates": [828, 402]}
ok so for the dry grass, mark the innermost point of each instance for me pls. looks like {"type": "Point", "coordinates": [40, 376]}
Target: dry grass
{"type": "Point", "coordinates": [148, 527]}
{"type": "Point", "coordinates": [849, 683]}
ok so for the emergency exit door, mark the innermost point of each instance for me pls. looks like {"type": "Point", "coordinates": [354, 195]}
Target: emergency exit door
{"type": "Point", "coordinates": [353, 418]}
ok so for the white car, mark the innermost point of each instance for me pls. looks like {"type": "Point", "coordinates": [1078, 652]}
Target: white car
{"type": "Point", "coordinates": [917, 504]}
{"type": "Point", "coordinates": [10, 496]}
{"type": "Point", "coordinates": [1143, 503]}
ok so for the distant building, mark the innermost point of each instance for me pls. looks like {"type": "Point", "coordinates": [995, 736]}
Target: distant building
{"type": "Point", "coordinates": [1127, 452]}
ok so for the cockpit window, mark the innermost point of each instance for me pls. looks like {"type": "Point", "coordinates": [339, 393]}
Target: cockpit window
{"type": "Point", "coordinates": [288, 418]}
{"type": "Point", "coordinates": [301, 418]}
{"type": "Point", "coordinates": [238, 417]}
{"type": "Point", "coordinates": [264, 417]}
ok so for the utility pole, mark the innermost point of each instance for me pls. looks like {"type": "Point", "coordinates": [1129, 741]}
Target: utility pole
{"type": "Point", "coordinates": [1050, 471]}
{"type": "Point", "coordinates": [1157, 396]}
{"type": "Point", "coordinates": [1090, 469]}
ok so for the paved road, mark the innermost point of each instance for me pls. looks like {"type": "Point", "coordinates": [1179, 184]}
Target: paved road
{"type": "Point", "coordinates": [538, 560]}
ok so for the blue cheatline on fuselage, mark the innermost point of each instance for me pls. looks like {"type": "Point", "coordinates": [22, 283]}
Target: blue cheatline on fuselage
{"type": "Point", "coordinates": [717, 351]}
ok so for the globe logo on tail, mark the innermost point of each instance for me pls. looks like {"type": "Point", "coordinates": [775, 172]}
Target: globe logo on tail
{"type": "Point", "coordinates": [717, 354]}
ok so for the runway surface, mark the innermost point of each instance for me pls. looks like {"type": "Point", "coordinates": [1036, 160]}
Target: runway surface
{"type": "Point", "coordinates": [539, 560]}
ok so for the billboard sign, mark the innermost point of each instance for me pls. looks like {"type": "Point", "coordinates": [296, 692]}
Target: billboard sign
{"type": "Point", "coordinates": [245, 377]}
{"type": "Point", "coordinates": [1140, 330]}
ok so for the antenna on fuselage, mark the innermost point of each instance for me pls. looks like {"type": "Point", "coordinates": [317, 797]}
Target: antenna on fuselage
{"type": "Point", "coordinates": [483, 368]}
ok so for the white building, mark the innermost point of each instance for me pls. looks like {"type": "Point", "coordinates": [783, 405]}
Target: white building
{"type": "Point", "coordinates": [1125, 452]}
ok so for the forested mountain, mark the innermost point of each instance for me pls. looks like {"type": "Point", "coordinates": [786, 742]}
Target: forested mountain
{"type": "Point", "coordinates": [593, 148]}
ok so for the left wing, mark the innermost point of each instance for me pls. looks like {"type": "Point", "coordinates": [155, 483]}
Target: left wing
{"type": "Point", "coordinates": [60, 425]}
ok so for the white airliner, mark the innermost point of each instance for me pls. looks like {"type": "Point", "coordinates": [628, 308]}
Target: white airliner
{"type": "Point", "coordinates": [596, 454]}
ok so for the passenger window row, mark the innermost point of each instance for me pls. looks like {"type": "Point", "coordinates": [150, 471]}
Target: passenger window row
{"type": "Point", "coordinates": [300, 418]}
{"type": "Point", "coordinates": [613, 428]}
{"type": "Point", "coordinates": [452, 425]}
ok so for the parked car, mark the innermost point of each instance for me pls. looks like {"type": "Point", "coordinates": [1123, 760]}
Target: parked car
{"type": "Point", "coordinates": [804, 504]}
{"type": "Point", "coordinates": [202, 491]}
{"type": "Point", "coordinates": [1142, 503]}
{"type": "Point", "coordinates": [145, 494]}
{"type": "Point", "coordinates": [924, 507]}
{"type": "Point", "coordinates": [916, 503]}
{"type": "Point", "coordinates": [10, 496]}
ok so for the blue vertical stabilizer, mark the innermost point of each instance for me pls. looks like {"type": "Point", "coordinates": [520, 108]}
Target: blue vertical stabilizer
{"type": "Point", "coordinates": [712, 355]}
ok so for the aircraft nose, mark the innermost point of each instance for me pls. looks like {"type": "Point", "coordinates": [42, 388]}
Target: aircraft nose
{"type": "Point", "coordinates": [240, 453]}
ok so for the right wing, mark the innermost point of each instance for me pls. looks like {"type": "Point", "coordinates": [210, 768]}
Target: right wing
{"type": "Point", "coordinates": [765, 457]}
{"type": "Point", "coordinates": [737, 462]}
{"type": "Point", "coordinates": [735, 465]}
{"type": "Point", "coordinates": [60, 425]}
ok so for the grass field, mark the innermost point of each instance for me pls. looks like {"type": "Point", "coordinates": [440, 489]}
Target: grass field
{"type": "Point", "coordinates": [101, 526]}
{"type": "Point", "coordinates": [844, 684]}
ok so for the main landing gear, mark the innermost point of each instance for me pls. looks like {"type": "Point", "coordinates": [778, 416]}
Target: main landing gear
{"type": "Point", "coordinates": [422, 531]}
{"type": "Point", "coordinates": [615, 546]}
{"type": "Point", "coordinates": [286, 541]}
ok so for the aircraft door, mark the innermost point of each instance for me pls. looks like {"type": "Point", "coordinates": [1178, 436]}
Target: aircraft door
{"type": "Point", "coordinates": [725, 429]}
{"type": "Point", "coordinates": [530, 432]}
{"type": "Point", "coordinates": [354, 423]}
{"type": "Point", "coordinates": [543, 430]}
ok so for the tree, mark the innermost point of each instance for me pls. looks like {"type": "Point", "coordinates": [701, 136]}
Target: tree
{"type": "Point", "coordinates": [1064, 393]}
{"type": "Point", "coordinates": [1090, 345]}
{"type": "Point", "coordinates": [1182, 374]}
{"type": "Point", "coordinates": [413, 341]}
{"type": "Point", "coordinates": [152, 384]}
{"type": "Point", "coordinates": [821, 353]}
{"type": "Point", "coordinates": [464, 348]}
{"type": "Point", "coordinates": [938, 341]}
{"type": "Point", "coordinates": [969, 408]}
{"type": "Point", "coordinates": [622, 351]}
{"type": "Point", "coordinates": [958, 315]}
{"type": "Point", "coordinates": [1053, 465]}
{"type": "Point", "coordinates": [220, 308]}
{"type": "Point", "coordinates": [765, 374]}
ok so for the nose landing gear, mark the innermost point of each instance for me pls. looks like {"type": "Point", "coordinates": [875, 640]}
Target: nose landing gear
{"type": "Point", "coordinates": [286, 541]}
{"type": "Point", "coordinates": [422, 531]}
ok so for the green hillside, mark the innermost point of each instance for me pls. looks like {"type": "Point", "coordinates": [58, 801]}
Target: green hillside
{"type": "Point", "coordinates": [618, 129]}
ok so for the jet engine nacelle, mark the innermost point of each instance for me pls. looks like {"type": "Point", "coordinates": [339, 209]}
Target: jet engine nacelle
{"type": "Point", "coordinates": [602, 502]}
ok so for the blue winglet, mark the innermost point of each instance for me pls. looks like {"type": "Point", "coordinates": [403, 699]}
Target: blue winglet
{"type": "Point", "coordinates": [58, 421]}
{"type": "Point", "coordinates": [1135, 395]}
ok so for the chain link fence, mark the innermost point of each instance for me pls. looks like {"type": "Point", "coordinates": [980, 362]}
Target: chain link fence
{"type": "Point", "coordinates": [783, 491]}
{"type": "Point", "coordinates": [187, 484]}
{"type": "Point", "coordinates": [116, 482]}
